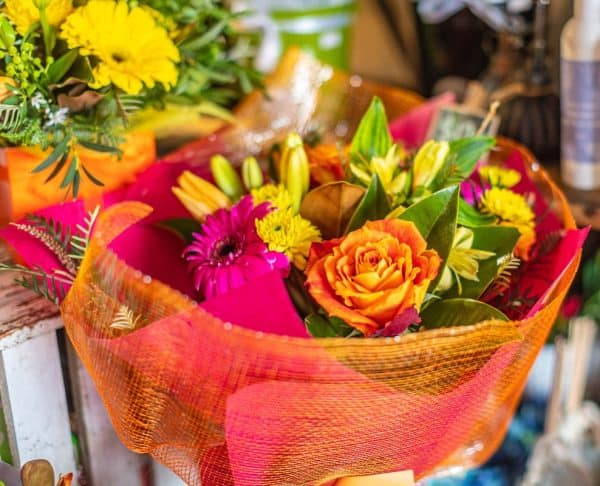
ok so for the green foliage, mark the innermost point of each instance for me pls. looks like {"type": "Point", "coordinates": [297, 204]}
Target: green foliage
{"type": "Point", "coordinates": [373, 206]}
{"type": "Point", "coordinates": [50, 81]}
{"type": "Point", "coordinates": [500, 240]}
{"type": "Point", "coordinates": [459, 312]}
{"type": "Point", "coordinates": [372, 138]}
{"type": "Point", "coordinates": [471, 218]}
{"type": "Point", "coordinates": [436, 219]}
{"type": "Point", "coordinates": [320, 326]}
{"type": "Point", "coordinates": [51, 286]}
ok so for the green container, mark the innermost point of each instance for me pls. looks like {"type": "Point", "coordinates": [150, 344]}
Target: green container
{"type": "Point", "coordinates": [321, 27]}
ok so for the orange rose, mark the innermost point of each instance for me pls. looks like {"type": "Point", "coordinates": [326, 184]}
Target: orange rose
{"type": "Point", "coordinates": [326, 163]}
{"type": "Point", "coordinates": [373, 274]}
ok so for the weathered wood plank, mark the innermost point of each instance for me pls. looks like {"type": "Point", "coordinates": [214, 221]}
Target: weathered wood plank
{"type": "Point", "coordinates": [35, 404]}
{"type": "Point", "coordinates": [105, 459]}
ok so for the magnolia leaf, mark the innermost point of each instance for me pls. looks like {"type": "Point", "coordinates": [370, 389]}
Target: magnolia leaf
{"type": "Point", "coordinates": [459, 312]}
{"type": "Point", "coordinates": [184, 228]}
{"type": "Point", "coordinates": [436, 218]}
{"type": "Point", "coordinates": [330, 206]}
{"type": "Point", "coordinates": [501, 241]}
{"type": "Point", "coordinates": [373, 206]}
{"type": "Point", "coordinates": [372, 138]}
{"type": "Point", "coordinates": [81, 102]}
{"type": "Point", "coordinates": [471, 218]}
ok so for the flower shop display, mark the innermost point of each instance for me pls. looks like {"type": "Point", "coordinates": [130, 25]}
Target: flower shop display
{"type": "Point", "coordinates": [81, 83]}
{"type": "Point", "coordinates": [335, 302]}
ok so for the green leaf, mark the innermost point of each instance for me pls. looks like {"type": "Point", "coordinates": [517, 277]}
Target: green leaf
{"type": "Point", "coordinates": [373, 206]}
{"type": "Point", "coordinates": [70, 175]}
{"type": "Point", "coordinates": [59, 68]}
{"type": "Point", "coordinates": [436, 217]}
{"type": "Point", "coordinates": [182, 227]}
{"type": "Point", "coordinates": [58, 167]}
{"type": "Point", "coordinates": [97, 147]}
{"type": "Point", "coordinates": [58, 151]}
{"type": "Point", "coordinates": [206, 38]}
{"type": "Point", "coordinates": [91, 177]}
{"type": "Point", "coordinates": [591, 277]}
{"type": "Point", "coordinates": [372, 138]}
{"type": "Point", "coordinates": [426, 213]}
{"type": "Point", "coordinates": [500, 240]}
{"type": "Point", "coordinates": [7, 33]}
{"type": "Point", "coordinates": [321, 326]}
{"type": "Point", "coordinates": [471, 218]}
{"type": "Point", "coordinates": [459, 312]}
{"type": "Point", "coordinates": [465, 152]}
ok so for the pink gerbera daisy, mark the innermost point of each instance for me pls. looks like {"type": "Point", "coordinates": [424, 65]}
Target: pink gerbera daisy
{"type": "Point", "coordinates": [229, 253]}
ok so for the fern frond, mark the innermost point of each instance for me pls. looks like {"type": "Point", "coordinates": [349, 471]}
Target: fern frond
{"type": "Point", "coordinates": [52, 286]}
{"type": "Point", "coordinates": [10, 117]}
{"type": "Point", "coordinates": [80, 242]}
{"type": "Point", "coordinates": [125, 319]}
{"type": "Point", "coordinates": [505, 269]}
{"type": "Point", "coordinates": [50, 241]}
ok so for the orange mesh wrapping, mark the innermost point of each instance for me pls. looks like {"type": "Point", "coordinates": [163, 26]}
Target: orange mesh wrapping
{"type": "Point", "coordinates": [225, 405]}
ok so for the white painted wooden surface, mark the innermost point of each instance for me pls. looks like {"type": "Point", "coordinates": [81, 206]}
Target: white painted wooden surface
{"type": "Point", "coordinates": [164, 476]}
{"type": "Point", "coordinates": [34, 403]}
{"type": "Point", "coordinates": [106, 460]}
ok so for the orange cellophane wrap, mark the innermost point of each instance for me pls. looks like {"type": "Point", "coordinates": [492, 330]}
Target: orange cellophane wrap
{"type": "Point", "coordinates": [29, 192]}
{"type": "Point", "coordinates": [226, 405]}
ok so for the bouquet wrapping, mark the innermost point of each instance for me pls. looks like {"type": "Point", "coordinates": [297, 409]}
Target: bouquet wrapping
{"type": "Point", "coordinates": [233, 390]}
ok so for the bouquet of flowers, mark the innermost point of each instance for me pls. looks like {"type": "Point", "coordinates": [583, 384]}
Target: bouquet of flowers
{"type": "Point", "coordinates": [324, 310]}
{"type": "Point", "coordinates": [76, 74]}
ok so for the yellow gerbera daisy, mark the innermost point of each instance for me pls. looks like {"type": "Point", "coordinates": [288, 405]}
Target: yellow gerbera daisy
{"type": "Point", "coordinates": [288, 233]}
{"type": "Point", "coordinates": [25, 13]}
{"type": "Point", "coordinates": [132, 49]}
{"type": "Point", "coordinates": [275, 194]}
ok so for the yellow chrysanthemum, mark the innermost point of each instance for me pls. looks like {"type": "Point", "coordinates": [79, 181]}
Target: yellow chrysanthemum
{"type": "Point", "coordinates": [512, 210]}
{"type": "Point", "coordinates": [25, 13]}
{"type": "Point", "coordinates": [275, 194]}
{"type": "Point", "coordinates": [132, 49]}
{"type": "Point", "coordinates": [288, 233]}
{"type": "Point", "coordinates": [499, 177]}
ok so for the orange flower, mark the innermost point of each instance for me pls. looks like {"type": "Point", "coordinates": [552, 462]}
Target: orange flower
{"type": "Point", "coordinates": [372, 274]}
{"type": "Point", "coordinates": [325, 162]}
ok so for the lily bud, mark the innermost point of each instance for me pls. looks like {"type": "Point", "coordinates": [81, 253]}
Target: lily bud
{"type": "Point", "coordinates": [226, 177]}
{"type": "Point", "coordinates": [295, 170]}
{"type": "Point", "coordinates": [428, 162]}
{"type": "Point", "coordinates": [199, 196]}
{"type": "Point", "coordinates": [251, 173]}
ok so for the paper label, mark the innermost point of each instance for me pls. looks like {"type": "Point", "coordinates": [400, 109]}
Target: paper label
{"type": "Point", "coordinates": [580, 107]}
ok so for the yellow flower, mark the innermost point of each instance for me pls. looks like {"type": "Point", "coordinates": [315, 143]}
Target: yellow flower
{"type": "Point", "coordinates": [499, 177]}
{"type": "Point", "coordinates": [277, 195]}
{"type": "Point", "coordinates": [393, 179]}
{"type": "Point", "coordinates": [512, 210]}
{"type": "Point", "coordinates": [25, 13]}
{"type": "Point", "coordinates": [463, 261]}
{"type": "Point", "coordinates": [199, 196]}
{"type": "Point", "coordinates": [132, 49]}
{"type": "Point", "coordinates": [428, 162]}
{"type": "Point", "coordinates": [288, 233]}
